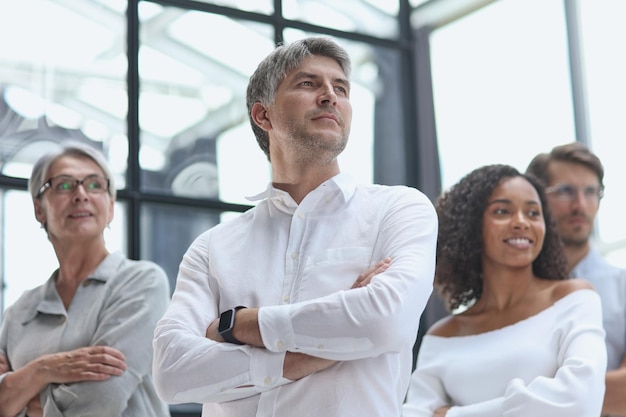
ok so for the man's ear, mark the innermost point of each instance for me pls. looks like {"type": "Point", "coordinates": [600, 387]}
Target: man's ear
{"type": "Point", "coordinates": [260, 116]}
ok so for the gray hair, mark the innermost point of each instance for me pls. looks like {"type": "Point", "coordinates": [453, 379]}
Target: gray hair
{"type": "Point", "coordinates": [39, 175]}
{"type": "Point", "coordinates": [280, 62]}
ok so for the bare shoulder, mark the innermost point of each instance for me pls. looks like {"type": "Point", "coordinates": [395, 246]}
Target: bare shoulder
{"type": "Point", "coordinates": [446, 327]}
{"type": "Point", "coordinates": [567, 286]}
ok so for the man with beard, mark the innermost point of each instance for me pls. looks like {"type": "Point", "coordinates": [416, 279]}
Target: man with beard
{"type": "Point", "coordinates": [309, 303]}
{"type": "Point", "coordinates": [573, 177]}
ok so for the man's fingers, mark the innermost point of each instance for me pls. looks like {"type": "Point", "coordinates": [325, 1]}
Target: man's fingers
{"type": "Point", "coordinates": [366, 277]}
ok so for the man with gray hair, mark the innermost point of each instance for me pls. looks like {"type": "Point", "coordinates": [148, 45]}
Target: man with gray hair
{"type": "Point", "coordinates": [309, 303]}
{"type": "Point", "coordinates": [573, 176]}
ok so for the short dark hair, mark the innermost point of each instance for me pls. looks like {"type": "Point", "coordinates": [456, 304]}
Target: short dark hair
{"type": "Point", "coordinates": [274, 68]}
{"type": "Point", "coordinates": [575, 153]}
{"type": "Point", "coordinates": [458, 276]}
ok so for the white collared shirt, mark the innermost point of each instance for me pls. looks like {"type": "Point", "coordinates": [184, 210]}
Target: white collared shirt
{"type": "Point", "coordinates": [298, 262]}
{"type": "Point", "coordinates": [610, 282]}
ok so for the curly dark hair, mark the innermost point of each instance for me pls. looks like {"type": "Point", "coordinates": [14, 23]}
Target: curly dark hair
{"type": "Point", "coordinates": [458, 276]}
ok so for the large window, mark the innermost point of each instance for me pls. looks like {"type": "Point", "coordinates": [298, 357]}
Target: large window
{"type": "Point", "coordinates": [161, 90]}
{"type": "Point", "coordinates": [603, 38]}
{"type": "Point", "coordinates": [503, 92]}
{"type": "Point", "coordinates": [501, 86]}
{"type": "Point", "coordinates": [440, 87]}
{"type": "Point", "coordinates": [160, 87]}
{"type": "Point", "coordinates": [62, 75]}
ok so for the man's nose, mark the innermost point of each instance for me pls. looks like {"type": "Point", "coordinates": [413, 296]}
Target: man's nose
{"type": "Point", "coordinates": [328, 95]}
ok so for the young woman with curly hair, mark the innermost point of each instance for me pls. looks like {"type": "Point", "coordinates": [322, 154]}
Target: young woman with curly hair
{"type": "Point", "coordinates": [522, 339]}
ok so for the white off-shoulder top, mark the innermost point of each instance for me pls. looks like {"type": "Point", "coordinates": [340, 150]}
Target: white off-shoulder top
{"type": "Point", "coordinates": [551, 364]}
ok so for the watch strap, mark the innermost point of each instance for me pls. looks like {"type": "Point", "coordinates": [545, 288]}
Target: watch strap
{"type": "Point", "coordinates": [227, 328]}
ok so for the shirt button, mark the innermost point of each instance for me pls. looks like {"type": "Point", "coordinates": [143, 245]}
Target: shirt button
{"type": "Point", "coordinates": [286, 298]}
{"type": "Point", "coordinates": [294, 255]}
{"type": "Point", "coordinates": [267, 380]}
{"type": "Point", "coordinates": [280, 344]}
{"type": "Point", "coordinates": [86, 283]}
{"type": "Point", "coordinates": [321, 347]}
{"type": "Point", "coordinates": [62, 319]}
{"type": "Point", "coordinates": [301, 215]}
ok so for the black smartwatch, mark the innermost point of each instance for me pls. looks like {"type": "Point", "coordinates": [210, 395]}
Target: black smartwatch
{"type": "Point", "coordinates": [227, 322]}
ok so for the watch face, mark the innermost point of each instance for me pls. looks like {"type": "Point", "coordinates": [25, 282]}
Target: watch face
{"type": "Point", "coordinates": [226, 320]}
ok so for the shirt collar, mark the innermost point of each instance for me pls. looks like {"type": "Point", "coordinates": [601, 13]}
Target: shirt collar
{"type": "Point", "coordinates": [589, 261]}
{"type": "Point", "coordinates": [51, 303]}
{"type": "Point", "coordinates": [343, 182]}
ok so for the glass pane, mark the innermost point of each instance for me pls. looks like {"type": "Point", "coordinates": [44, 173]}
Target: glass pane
{"type": "Point", "coordinates": [62, 75]}
{"type": "Point", "coordinates": [28, 258]}
{"type": "Point", "coordinates": [373, 17]}
{"type": "Point", "coordinates": [167, 231]}
{"type": "Point", "coordinates": [604, 40]}
{"type": "Point", "coordinates": [258, 6]}
{"type": "Point", "coordinates": [501, 86]}
{"type": "Point", "coordinates": [196, 139]}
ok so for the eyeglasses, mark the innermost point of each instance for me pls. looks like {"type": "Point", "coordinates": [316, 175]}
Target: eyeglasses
{"type": "Point", "coordinates": [568, 192]}
{"type": "Point", "coordinates": [65, 184]}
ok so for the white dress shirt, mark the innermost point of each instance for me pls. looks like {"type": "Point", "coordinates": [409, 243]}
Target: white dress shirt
{"type": "Point", "coordinates": [551, 364]}
{"type": "Point", "coordinates": [610, 283]}
{"type": "Point", "coordinates": [298, 262]}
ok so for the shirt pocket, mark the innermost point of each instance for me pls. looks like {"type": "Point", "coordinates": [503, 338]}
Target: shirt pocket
{"type": "Point", "coordinates": [332, 270]}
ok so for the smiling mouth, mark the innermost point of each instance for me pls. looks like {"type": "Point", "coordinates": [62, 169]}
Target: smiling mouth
{"type": "Point", "coordinates": [79, 215]}
{"type": "Point", "coordinates": [519, 242]}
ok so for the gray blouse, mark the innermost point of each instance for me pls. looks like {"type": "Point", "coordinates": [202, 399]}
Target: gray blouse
{"type": "Point", "coordinates": [118, 306]}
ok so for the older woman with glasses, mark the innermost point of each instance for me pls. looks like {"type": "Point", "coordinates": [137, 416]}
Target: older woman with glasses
{"type": "Point", "coordinates": [80, 344]}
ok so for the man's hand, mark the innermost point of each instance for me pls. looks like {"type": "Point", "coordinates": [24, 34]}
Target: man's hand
{"type": "Point", "coordinates": [212, 331]}
{"type": "Point", "coordinates": [441, 411]}
{"type": "Point", "coordinates": [299, 365]}
{"type": "Point", "coordinates": [250, 314]}
{"type": "Point", "coordinates": [366, 277]}
{"type": "Point", "coordinates": [361, 281]}
{"type": "Point", "coordinates": [296, 365]}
